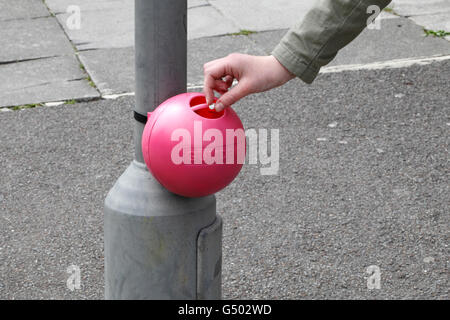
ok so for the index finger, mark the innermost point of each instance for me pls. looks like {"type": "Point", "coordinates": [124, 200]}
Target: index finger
{"type": "Point", "coordinates": [213, 71]}
{"type": "Point", "coordinates": [208, 86]}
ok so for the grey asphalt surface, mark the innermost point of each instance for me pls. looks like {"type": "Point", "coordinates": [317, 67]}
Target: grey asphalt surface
{"type": "Point", "coordinates": [373, 190]}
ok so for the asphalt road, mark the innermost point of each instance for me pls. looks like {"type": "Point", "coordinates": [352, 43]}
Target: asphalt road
{"type": "Point", "coordinates": [363, 180]}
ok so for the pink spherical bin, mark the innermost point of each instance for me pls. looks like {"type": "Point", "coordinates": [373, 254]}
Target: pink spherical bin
{"type": "Point", "coordinates": [191, 150]}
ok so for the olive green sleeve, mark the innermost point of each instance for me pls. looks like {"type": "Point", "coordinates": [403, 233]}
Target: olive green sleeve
{"type": "Point", "coordinates": [329, 26]}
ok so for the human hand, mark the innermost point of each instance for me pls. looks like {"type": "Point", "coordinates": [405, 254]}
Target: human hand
{"type": "Point", "coordinates": [253, 73]}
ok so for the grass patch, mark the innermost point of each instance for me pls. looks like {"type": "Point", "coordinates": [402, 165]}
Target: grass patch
{"type": "Point", "coordinates": [387, 9]}
{"type": "Point", "coordinates": [26, 106]}
{"type": "Point", "coordinates": [91, 83]}
{"type": "Point", "coordinates": [437, 34]}
{"type": "Point", "coordinates": [243, 32]}
{"type": "Point", "coordinates": [70, 102]}
{"type": "Point", "coordinates": [88, 78]}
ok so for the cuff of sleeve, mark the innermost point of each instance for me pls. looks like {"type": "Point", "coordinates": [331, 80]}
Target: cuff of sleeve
{"type": "Point", "coordinates": [296, 65]}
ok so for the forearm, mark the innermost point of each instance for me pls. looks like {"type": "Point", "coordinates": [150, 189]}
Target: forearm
{"type": "Point", "coordinates": [329, 26]}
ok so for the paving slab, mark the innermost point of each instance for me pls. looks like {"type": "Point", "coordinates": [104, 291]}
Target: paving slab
{"type": "Point", "coordinates": [436, 22]}
{"type": "Point", "coordinates": [32, 38]}
{"type": "Point", "coordinates": [309, 232]}
{"type": "Point", "coordinates": [60, 6]}
{"type": "Point", "coordinates": [115, 28]}
{"type": "Point", "coordinates": [260, 15]}
{"type": "Point", "coordinates": [397, 38]}
{"type": "Point", "coordinates": [22, 9]}
{"type": "Point", "coordinates": [112, 70]}
{"type": "Point", "coordinates": [197, 3]}
{"type": "Point", "coordinates": [207, 21]}
{"type": "Point", "coordinates": [103, 24]}
{"type": "Point", "coordinates": [43, 80]}
{"type": "Point", "coordinates": [417, 7]}
{"type": "Point", "coordinates": [433, 15]}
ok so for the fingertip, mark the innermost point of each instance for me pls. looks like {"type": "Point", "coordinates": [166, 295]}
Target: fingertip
{"type": "Point", "coordinates": [207, 96]}
{"type": "Point", "coordinates": [229, 80]}
{"type": "Point", "coordinates": [219, 106]}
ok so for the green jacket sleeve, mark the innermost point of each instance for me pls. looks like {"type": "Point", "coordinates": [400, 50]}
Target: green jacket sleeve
{"type": "Point", "coordinates": [329, 26]}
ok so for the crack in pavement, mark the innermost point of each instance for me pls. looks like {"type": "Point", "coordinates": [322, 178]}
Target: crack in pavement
{"type": "Point", "coordinates": [25, 60]}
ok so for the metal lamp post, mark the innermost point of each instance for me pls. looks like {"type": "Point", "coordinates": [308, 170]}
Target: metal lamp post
{"type": "Point", "coordinates": [159, 245]}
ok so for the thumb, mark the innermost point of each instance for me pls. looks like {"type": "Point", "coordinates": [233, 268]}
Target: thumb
{"type": "Point", "coordinates": [232, 96]}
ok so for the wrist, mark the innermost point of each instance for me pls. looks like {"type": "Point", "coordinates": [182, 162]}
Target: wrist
{"type": "Point", "coordinates": [284, 74]}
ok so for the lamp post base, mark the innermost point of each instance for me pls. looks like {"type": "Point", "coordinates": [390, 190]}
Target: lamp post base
{"type": "Point", "coordinates": [159, 245]}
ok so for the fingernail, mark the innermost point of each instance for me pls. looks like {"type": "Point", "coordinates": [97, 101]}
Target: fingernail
{"type": "Point", "coordinates": [211, 107]}
{"type": "Point", "coordinates": [219, 106]}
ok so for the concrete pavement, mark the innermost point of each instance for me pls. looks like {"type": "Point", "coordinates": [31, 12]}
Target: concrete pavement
{"type": "Point", "coordinates": [98, 52]}
{"type": "Point", "coordinates": [433, 14]}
